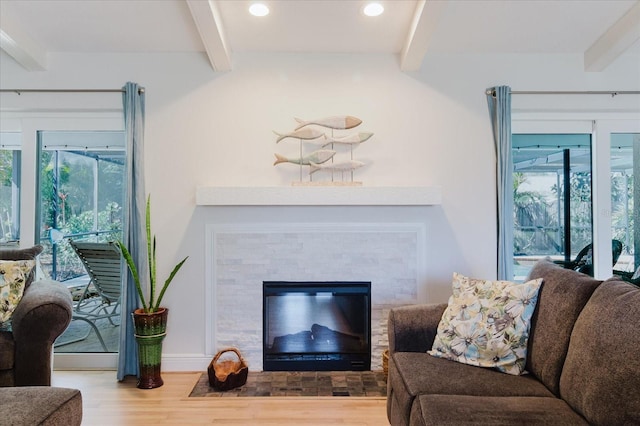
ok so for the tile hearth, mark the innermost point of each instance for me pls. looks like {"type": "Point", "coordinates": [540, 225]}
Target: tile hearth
{"type": "Point", "coordinates": [290, 383]}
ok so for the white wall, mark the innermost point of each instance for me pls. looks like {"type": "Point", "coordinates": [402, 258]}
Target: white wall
{"type": "Point", "coordinates": [431, 128]}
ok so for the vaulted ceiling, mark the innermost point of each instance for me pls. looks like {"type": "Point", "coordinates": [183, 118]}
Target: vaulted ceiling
{"type": "Point", "coordinates": [601, 30]}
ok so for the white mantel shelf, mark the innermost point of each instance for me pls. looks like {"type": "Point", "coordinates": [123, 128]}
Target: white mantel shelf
{"type": "Point", "coordinates": [318, 196]}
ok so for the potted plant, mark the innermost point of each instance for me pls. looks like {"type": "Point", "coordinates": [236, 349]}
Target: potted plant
{"type": "Point", "coordinates": [150, 320]}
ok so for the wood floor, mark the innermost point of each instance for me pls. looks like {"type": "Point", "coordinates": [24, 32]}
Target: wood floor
{"type": "Point", "coordinates": [109, 402]}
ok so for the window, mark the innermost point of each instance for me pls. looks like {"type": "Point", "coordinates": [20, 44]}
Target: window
{"type": "Point", "coordinates": [552, 197]}
{"type": "Point", "coordinates": [81, 193]}
{"type": "Point", "coordinates": [80, 197]}
{"type": "Point", "coordinates": [89, 144]}
{"type": "Point", "coordinates": [9, 187]}
{"type": "Point", "coordinates": [625, 191]}
{"type": "Point", "coordinates": [604, 202]}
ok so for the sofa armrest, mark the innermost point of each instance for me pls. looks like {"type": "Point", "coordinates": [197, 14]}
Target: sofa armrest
{"type": "Point", "coordinates": [42, 315]}
{"type": "Point", "coordinates": [413, 328]}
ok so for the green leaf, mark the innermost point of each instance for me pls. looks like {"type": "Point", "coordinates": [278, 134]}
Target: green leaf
{"type": "Point", "coordinates": [134, 272]}
{"type": "Point", "coordinates": [150, 253]}
{"type": "Point", "coordinates": [151, 256]}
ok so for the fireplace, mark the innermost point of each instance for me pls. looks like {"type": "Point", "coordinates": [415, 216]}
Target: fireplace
{"type": "Point", "coordinates": [242, 256]}
{"type": "Point", "coordinates": [316, 326]}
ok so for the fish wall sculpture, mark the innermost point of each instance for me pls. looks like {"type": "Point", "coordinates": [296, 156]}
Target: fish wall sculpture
{"type": "Point", "coordinates": [353, 139]}
{"type": "Point", "coordinates": [337, 122]}
{"type": "Point", "coordinates": [323, 132]}
{"type": "Point", "coordinates": [317, 157]}
{"type": "Point", "coordinates": [345, 166]}
{"type": "Point", "coordinates": [306, 134]}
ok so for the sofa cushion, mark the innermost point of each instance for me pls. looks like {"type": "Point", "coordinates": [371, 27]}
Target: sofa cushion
{"type": "Point", "coordinates": [13, 277]}
{"type": "Point", "coordinates": [40, 405]}
{"type": "Point", "coordinates": [22, 254]}
{"type": "Point", "coordinates": [7, 347]}
{"type": "Point", "coordinates": [563, 294]}
{"type": "Point", "coordinates": [486, 323]}
{"type": "Point", "coordinates": [601, 374]}
{"type": "Point", "coordinates": [414, 373]}
{"type": "Point", "coordinates": [460, 410]}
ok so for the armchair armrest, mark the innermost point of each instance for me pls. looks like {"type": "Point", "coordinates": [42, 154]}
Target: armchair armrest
{"type": "Point", "coordinates": [413, 328]}
{"type": "Point", "coordinates": [41, 316]}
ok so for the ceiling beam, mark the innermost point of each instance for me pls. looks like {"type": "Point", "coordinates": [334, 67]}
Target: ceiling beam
{"type": "Point", "coordinates": [425, 21]}
{"type": "Point", "coordinates": [618, 38]}
{"type": "Point", "coordinates": [18, 43]}
{"type": "Point", "coordinates": [207, 19]}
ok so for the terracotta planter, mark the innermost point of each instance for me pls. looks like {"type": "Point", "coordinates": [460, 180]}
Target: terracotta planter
{"type": "Point", "coordinates": [150, 330]}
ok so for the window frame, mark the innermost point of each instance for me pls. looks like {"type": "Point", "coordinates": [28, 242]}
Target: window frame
{"type": "Point", "coordinates": [602, 232]}
{"type": "Point", "coordinates": [16, 172]}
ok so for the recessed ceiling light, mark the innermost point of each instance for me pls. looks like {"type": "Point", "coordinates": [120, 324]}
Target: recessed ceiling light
{"type": "Point", "coordinates": [373, 9]}
{"type": "Point", "coordinates": [259, 9]}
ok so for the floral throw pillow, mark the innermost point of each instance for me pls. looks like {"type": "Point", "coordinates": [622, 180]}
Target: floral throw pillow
{"type": "Point", "coordinates": [13, 276]}
{"type": "Point", "coordinates": [487, 323]}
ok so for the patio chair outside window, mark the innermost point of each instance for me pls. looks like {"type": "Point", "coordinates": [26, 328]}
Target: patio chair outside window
{"type": "Point", "coordinates": [632, 277]}
{"type": "Point", "coordinates": [584, 260]}
{"type": "Point", "coordinates": [103, 264]}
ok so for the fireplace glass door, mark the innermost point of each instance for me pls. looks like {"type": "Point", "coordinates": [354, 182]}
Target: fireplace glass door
{"type": "Point", "coordinates": [317, 326]}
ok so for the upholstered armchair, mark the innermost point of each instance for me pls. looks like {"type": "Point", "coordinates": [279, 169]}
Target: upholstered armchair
{"type": "Point", "coordinates": [26, 339]}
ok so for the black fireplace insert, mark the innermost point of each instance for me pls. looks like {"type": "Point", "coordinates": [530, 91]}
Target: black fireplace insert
{"type": "Point", "coordinates": [316, 326]}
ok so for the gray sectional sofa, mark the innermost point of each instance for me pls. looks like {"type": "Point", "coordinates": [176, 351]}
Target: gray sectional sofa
{"type": "Point", "coordinates": [26, 395]}
{"type": "Point", "coordinates": [40, 405]}
{"type": "Point", "coordinates": [43, 314]}
{"type": "Point", "coordinates": [583, 362]}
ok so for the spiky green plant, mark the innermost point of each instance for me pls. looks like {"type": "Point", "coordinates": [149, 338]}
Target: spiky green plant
{"type": "Point", "coordinates": [154, 303]}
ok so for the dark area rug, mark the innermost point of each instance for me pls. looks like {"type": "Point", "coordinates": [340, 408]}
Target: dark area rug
{"type": "Point", "coordinates": [306, 383]}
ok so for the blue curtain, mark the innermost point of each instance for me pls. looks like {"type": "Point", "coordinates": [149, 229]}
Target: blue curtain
{"type": "Point", "coordinates": [134, 234]}
{"type": "Point", "coordinates": [499, 100]}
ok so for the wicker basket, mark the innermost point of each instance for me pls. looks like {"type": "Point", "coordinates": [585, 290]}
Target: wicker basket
{"type": "Point", "coordinates": [228, 374]}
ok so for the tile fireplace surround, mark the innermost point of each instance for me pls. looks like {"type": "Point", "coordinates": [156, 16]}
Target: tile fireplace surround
{"type": "Point", "coordinates": [241, 256]}
{"type": "Point", "coordinates": [254, 242]}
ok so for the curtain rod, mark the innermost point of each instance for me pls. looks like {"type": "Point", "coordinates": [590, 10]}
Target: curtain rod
{"type": "Point", "coordinates": [612, 93]}
{"type": "Point", "coordinates": [21, 91]}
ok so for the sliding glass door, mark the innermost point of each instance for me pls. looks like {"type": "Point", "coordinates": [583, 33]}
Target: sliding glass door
{"type": "Point", "coordinates": [576, 194]}
{"type": "Point", "coordinates": [66, 181]}
{"type": "Point", "coordinates": [619, 145]}
{"type": "Point", "coordinates": [10, 158]}
{"type": "Point", "coordinates": [552, 198]}
{"type": "Point", "coordinates": [625, 153]}
{"type": "Point", "coordinates": [81, 193]}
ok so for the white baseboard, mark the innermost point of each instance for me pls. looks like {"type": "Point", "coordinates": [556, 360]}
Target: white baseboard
{"type": "Point", "coordinates": [85, 361]}
{"type": "Point", "coordinates": [109, 361]}
{"type": "Point", "coordinates": [185, 362]}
